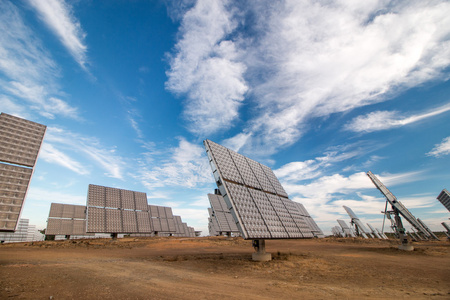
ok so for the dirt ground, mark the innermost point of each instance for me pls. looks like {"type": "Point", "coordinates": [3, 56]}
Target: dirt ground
{"type": "Point", "coordinates": [221, 268]}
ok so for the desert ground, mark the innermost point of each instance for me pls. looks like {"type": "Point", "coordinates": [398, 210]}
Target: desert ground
{"type": "Point", "coordinates": [221, 268]}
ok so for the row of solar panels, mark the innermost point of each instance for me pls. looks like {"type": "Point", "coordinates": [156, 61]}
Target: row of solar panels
{"type": "Point", "coordinates": [66, 219]}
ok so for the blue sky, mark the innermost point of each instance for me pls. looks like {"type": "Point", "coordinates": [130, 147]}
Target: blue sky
{"type": "Point", "coordinates": [321, 92]}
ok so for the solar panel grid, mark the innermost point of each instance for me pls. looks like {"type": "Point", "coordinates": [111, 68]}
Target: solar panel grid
{"type": "Point", "coordinates": [79, 212]}
{"type": "Point", "coordinates": [244, 170]}
{"type": "Point", "coordinates": [129, 221]}
{"type": "Point", "coordinates": [127, 198]}
{"type": "Point", "coordinates": [169, 213]}
{"type": "Point", "coordinates": [53, 227]}
{"type": "Point", "coordinates": [172, 226]}
{"type": "Point", "coordinates": [162, 212]}
{"type": "Point", "coordinates": [68, 211]}
{"type": "Point", "coordinates": [141, 201]}
{"type": "Point", "coordinates": [112, 198]}
{"type": "Point", "coordinates": [274, 181]}
{"type": "Point", "coordinates": [249, 214]}
{"type": "Point", "coordinates": [269, 215]}
{"type": "Point", "coordinates": [96, 195]}
{"type": "Point", "coordinates": [292, 231]}
{"type": "Point", "coordinates": [21, 140]}
{"type": "Point", "coordinates": [144, 222]}
{"type": "Point", "coordinates": [227, 167]}
{"type": "Point", "coordinates": [156, 224]}
{"type": "Point", "coordinates": [79, 227]}
{"type": "Point", "coordinates": [113, 221]}
{"type": "Point", "coordinates": [263, 180]}
{"type": "Point", "coordinates": [96, 219]}
{"type": "Point", "coordinates": [66, 226]}
{"type": "Point", "coordinates": [154, 212]}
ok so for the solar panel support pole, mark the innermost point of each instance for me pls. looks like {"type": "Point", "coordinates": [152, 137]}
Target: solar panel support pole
{"type": "Point", "coordinates": [114, 235]}
{"type": "Point", "coordinates": [260, 248]}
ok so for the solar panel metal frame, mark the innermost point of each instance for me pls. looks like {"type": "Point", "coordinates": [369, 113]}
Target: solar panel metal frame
{"type": "Point", "coordinates": [361, 228]}
{"type": "Point", "coordinates": [245, 186]}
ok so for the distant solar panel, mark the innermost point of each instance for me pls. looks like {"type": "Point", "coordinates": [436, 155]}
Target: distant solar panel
{"type": "Point", "coordinates": [345, 228]}
{"type": "Point", "coordinates": [20, 142]}
{"type": "Point", "coordinates": [66, 219]}
{"type": "Point", "coordinates": [257, 201]}
{"type": "Point", "coordinates": [222, 216]}
{"type": "Point", "coordinates": [444, 198]}
{"type": "Point", "coordinates": [360, 228]}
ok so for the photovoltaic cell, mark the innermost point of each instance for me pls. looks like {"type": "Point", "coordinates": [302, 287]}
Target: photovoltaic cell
{"type": "Point", "coordinates": [127, 199]}
{"type": "Point", "coordinates": [96, 219]}
{"type": "Point", "coordinates": [141, 201]}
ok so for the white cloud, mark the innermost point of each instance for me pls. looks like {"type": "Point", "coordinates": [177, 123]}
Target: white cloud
{"type": "Point", "coordinates": [57, 15]}
{"type": "Point", "coordinates": [51, 155]}
{"type": "Point", "coordinates": [206, 69]}
{"type": "Point", "coordinates": [441, 149]}
{"type": "Point", "coordinates": [187, 167]}
{"type": "Point", "coordinates": [87, 146]}
{"type": "Point", "coordinates": [304, 60]}
{"type": "Point", "coordinates": [382, 120]}
{"type": "Point", "coordinates": [29, 72]}
{"type": "Point", "coordinates": [50, 195]}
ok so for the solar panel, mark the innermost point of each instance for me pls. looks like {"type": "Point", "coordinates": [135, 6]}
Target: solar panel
{"type": "Point", "coordinates": [66, 219]}
{"type": "Point", "coordinates": [360, 228]}
{"type": "Point", "coordinates": [21, 140]}
{"type": "Point", "coordinates": [348, 232]}
{"type": "Point", "coordinates": [444, 198]}
{"type": "Point", "coordinates": [374, 232]}
{"type": "Point", "coordinates": [256, 200]}
{"type": "Point", "coordinates": [144, 222]}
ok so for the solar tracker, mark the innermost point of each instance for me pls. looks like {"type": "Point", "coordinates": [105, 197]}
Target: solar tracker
{"type": "Point", "coordinates": [348, 232]}
{"type": "Point", "coordinates": [20, 142]}
{"type": "Point", "coordinates": [447, 227]}
{"type": "Point", "coordinates": [444, 198]}
{"type": "Point", "coordinates": [361, 230]}
{"type": "Point", "coordinates": [66, 219]}
{"type": "Point", "coordinates": [399, 208]}
{"type": "Point", "coordinates": [162, 219]}
{"type": "Point", "coordinates": [257, 201]}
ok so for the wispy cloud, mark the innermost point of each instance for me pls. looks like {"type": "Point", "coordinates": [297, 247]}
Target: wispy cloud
{"type": "Point", "coordinates": [87, 146]}
{"type": "Point", "coordinates": [57, 15]}
{"type": "Point", "coordinates": [187, 167]}
{"type": "Point", "coordinates": [441, 149]}
{"type": "Point", "coordinates": [51, 155]}
{"type": "Point", "coordinates": [206, 68]}
{"type": "Point", "coordinates": [30, 74]}
{"type": "Point", "coordinates": [383, 120]}
{"type": "Point", "coordinates": [302, 60]}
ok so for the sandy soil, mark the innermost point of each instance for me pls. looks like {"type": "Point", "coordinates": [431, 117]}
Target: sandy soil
{"type": "Point", "coordinates": [218, 268]}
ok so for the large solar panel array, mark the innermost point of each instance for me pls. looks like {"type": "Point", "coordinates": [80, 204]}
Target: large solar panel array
{"type": "Point", "coordinates": [112, 210]}
{"type": "Point", "coordinates": [66, 219]}
{"type": "Point", "coordinates": [444, 198]}
{"type": "Point", "coordinates": [257, 201]}
{"type": "Point", "coordinates": [20, 142]}
{"type": "Point", "coordinates": [221, 215]}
